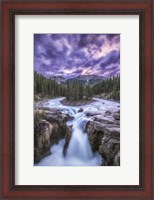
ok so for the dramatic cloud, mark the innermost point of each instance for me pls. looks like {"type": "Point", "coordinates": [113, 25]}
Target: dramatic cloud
{"type": "Point", "coordinates": [71, 55]}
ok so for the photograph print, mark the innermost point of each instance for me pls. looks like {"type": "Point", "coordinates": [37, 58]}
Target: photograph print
{"type": "Point", "coordinates": [76, 100]}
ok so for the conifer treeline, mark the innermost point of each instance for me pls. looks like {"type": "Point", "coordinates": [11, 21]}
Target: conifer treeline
{"type": "Point", "coordinates": [76, 90]}
{"type": "Point", "coordinates": [44, 86]}
{"type": "Point", "coordinates": [109, 86]}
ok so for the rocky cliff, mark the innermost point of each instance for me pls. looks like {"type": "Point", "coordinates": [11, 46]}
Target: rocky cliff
{"type": "Point", "coordinates": [49, 128]}
{"type": "Point", "coordinates": [104, 135]}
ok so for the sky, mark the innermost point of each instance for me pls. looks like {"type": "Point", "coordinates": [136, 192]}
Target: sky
{"type": "Point", "coordinates": [71, 55]}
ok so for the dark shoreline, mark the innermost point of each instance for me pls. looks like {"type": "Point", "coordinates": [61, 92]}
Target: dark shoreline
{"type": "Point", "coordinates": [73, 103]}
{"type": "Point", "coordinates": [78, 103]}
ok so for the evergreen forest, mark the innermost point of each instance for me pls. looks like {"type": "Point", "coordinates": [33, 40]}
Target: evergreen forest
{"type": "Point", "coordinates": [76, 90]}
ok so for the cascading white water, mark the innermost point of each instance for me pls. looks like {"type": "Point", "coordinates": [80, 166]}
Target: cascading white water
{"type": "Point", "coordinates": [79, 148]}
{"type": "Point", "coordinates": [79, 152]}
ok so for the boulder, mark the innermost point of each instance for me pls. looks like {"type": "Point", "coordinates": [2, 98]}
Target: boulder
{"type": "Point", "coordinates": [80, 110]}
{"type": "Point", "coordinates": [116, 115]}
{"type": "Point", "coordinates": [108, 113]}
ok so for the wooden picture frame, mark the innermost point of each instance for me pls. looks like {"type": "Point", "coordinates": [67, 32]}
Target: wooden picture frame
{"type": "Point", "coordinates": [12, 8]}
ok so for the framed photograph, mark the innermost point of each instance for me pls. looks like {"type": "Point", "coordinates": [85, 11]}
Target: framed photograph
{"type": "Point", "coordinates": [77, 99]}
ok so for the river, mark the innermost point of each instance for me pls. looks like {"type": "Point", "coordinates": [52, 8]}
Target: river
{"type": "Point", "coordinates": [79, 152]}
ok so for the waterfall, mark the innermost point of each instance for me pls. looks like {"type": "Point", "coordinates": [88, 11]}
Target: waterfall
{"type": "Point", "coordinates": [79, 152]}
{"type": "Point", "coordinates": [79, 146]}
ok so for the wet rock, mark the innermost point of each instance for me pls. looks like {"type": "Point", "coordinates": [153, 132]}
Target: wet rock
{"type": "Point", "coordinates": [71, 118]}
{"type": "Point", "coordinates": [116, 161]}
{"type": "Point", "coordinates": [59, 117]}
{"type": "Point", "coordinates": [116, 115]}
{"type": "Point", "coordinates": [42, 135]}
{"type": "Point", "coordinates": [112, 131]}
{"type": "Point", "coordinates": [80, 110]}
{"type": "Point", "coordinates": [40, 153]}
{"type": "Point", "coordinates": [67, 139]}
{"type": "Point", "coordinates": [95, 134]}
{"type": "Point", "coordinates": [56, 135]}
{"type": "Point", "coordinates": [93, 113]}
{"type": "Point", "coordinates": [108, 113]}
{"type": "Point", "coordinates": [104, 137]}
{"type": "Point", "coordinates": [51, 110]}
{"type": "Point", "coordinates": [110, 145]}
{"type": "Point", "coordinates": [49, 129]}
{"type": "Point", "coordinates": [108, 149]}
{"type": "Point", "coordinates": [106, 120]}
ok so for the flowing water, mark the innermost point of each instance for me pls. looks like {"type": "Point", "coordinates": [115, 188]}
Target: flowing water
{"type": "Point", "coordinates": [79, 152]}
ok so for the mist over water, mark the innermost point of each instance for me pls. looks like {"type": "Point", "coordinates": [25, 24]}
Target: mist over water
{"type": "Point", "coordinates": [79, 152]}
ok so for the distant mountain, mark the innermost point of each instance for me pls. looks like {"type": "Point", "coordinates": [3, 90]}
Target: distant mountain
{"type": "Point", "coordinates": [59, 79]}
{"type": "Point", "coordinates": [86, 79]}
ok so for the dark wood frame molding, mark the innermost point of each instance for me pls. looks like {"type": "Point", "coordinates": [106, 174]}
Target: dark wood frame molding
{"type": "Point", "coordinates": [11, 8]}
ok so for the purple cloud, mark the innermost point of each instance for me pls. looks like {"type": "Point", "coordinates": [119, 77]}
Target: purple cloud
{"type": "Point", "coordinates": [75, 54]}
